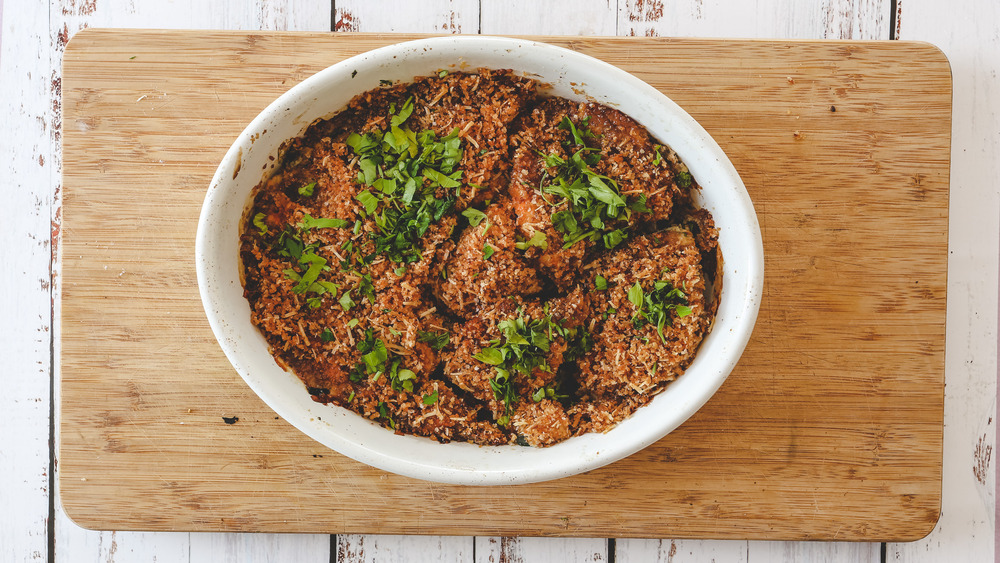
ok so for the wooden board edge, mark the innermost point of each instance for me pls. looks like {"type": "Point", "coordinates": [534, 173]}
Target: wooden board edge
{"type": "Point", "coordinates": [87, 36]}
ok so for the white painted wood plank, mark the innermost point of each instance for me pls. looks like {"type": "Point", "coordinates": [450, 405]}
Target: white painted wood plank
{"type": "Point", "coordinates": [280, 15]}
{"type": "Point", "coordinates": [731, 551]}
{"type": "Point", "coordinates": [793, 19]}
{"type": "Point", "coordinates": [557, 17]}
{"type": "Point", "coordinates": [968, 31]}
{"type": "Point", "coordinates": [252, 548]}
{"type": "Point", "coordinates": [26, 68]}
{"type": "Point", "coordinates": [680, 551]}
{"type": "Point", "coordinates": [549, 550]}
{"type": "Point", "coordinates": [778, 19]}
{"type": "Point", "coordinates": [554, 17]}
{"type": "Point", "coordinates": [425, 16]}
{"type": "Point", "coordinates": [814, 552]}
{"type": "Point", "coordinates": [403, 549]}
{"type": "Point", "coordinates": [73, 543]}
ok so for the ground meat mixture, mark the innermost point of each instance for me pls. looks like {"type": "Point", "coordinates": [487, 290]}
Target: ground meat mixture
{"type": "Point", "coordinates": [464, 258]}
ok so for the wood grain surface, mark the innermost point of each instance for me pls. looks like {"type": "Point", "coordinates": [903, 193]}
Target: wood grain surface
{"type": "Point", "coordinates": [830, 427]}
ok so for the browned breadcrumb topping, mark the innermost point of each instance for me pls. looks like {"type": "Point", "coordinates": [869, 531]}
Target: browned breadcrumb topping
{"type": "Point", "coordinates": [405, 262]}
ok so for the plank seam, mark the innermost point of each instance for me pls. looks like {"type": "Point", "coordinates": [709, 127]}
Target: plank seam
{"type": "Point", "coordinates": [50, 525]}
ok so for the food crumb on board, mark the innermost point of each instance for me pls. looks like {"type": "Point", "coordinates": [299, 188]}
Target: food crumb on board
{"type": "Point", "coordinates": [230, 419]}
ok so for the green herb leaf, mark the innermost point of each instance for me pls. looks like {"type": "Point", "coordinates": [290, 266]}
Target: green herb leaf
{"type": "Point", "coordinates": [635, 296]}
{"type": "Point", "coordinates": [258, 221]}
{"type": "Point", "coordinates": [326, 335]}
{"type": "Point", "coordinates": [595, 204]}
{"type": "Point", "coordinates": [308, 222]}
{"type": "Point", "coordinates": [523, 348]}
{"type": "Point", "coordinates": [614, 238]}
{"type": "Point", "coordinates": [538, 239]}
{"type": "Point", "coordinates": [600, 283]}
{"type": "Point", "coordinates": [442, 74]}
{"type": "Point", "coordinates": [375, 360]}
{"type": "Point", "coordinates": [316, 264]}
{"type": "Point", "coordinates": [657, 305]}
{"type": "Point", "coordinates": [488, 251]}
{"type": "Point", "coordinates": [307, 190]}
{"type": "Point", "coordinates": [369, 201]}
{"type": "Point", "coordinates": [430, 399]}
{"type": "Point", "coordinates": [578, 134]}
{"type": "Point", "coordinates": [474, 216]}
{"type": "Point", "coordinates": [404, 168]}
{"type": "Point", "coordinates": [404, 113]}
{"type": "Point", "coordinates": [436, 340]}
{"type": "Point", "coordinates": [491, 356]}
{"type": "Point", "coordinates": [684, 179]}
{"type": "Point", "coordinates": [346, 302]}
{"type": "Point", "coordinates": [352, 323]}
{"type": "Point", "coordinates": [438, 178]}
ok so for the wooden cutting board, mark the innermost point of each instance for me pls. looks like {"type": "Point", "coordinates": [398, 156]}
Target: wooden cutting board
{"type": "Point", "coordinates": [829, 428]}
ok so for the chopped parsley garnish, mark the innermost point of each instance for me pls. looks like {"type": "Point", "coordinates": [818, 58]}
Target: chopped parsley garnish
{"type": "Point", "coordinates": [684, 179]}
{"type": "Point", "coordinates": [474, 216]}
{"type": "Point", "coordinates": [579, 134]}
{"type": "Point", "coordinates": [367, 288]}
{"type": "Point", "coordinates": [537, 239]}
{"type": "Point", "coordinates": [307, 190]}
{"type": "Point", "coordinates": [579, 343]}
{"type": "Point", "coordinates": [436, 340]}
{"type": "Point", "coordinates": [377, 360]}
{"type": "Point", "coordinates": [522, 348]}
{"type": "Point", "coordinates": [308, 266]}
{"type": "Point", "coordinates": [488, 251]}
{"type": "Point", "coordinates": [369, 201]}
{"type": "Point", "coordinates": [655, 306]}
{"type": "Point", "coordinates": [595, 202]}
{"type": "Point", "coordinates": [430, 399]}
{"type": "Point", "coordinates": [258, 221]}
{"type": "Point", "coordinates": [404, 173]}
{"type": "Point", "coordinates": [600, 284]}
{"type": "Point", "coordinates": [546, 393]}
{"type": "Point", "coordinates": [442, 74]}
{"type": "Point", "coordinates": [310, 222]}
{"type": "Point", "coordinates": [326, 335]}
{"type": "Point", "coordinates": [383, 411]}
{"type": "Point", "coordinates": [346, 302]}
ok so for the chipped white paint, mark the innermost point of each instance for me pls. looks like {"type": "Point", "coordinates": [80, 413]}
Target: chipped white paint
{"type": "Point", "coordinates": [65, 17]}
{"type": "Point", "coordinates": [553, 17]}
{"type": "Point", "coordinates": [779, 19]}
{"type": "Point", "coordinates": [32, 35]}
{"type": "Point", "coordinates": [682, 551]}
{"type": "Point", "coordinates": [526, 550]}
{"type": "Point", "coordinates": [425, 16]}
{"type": "Point", "coordinates": [968, 31]}
{"type": "Point", "coordinates": [26, 74]}
{"type": "Point", "coordinates": [403, 549]}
